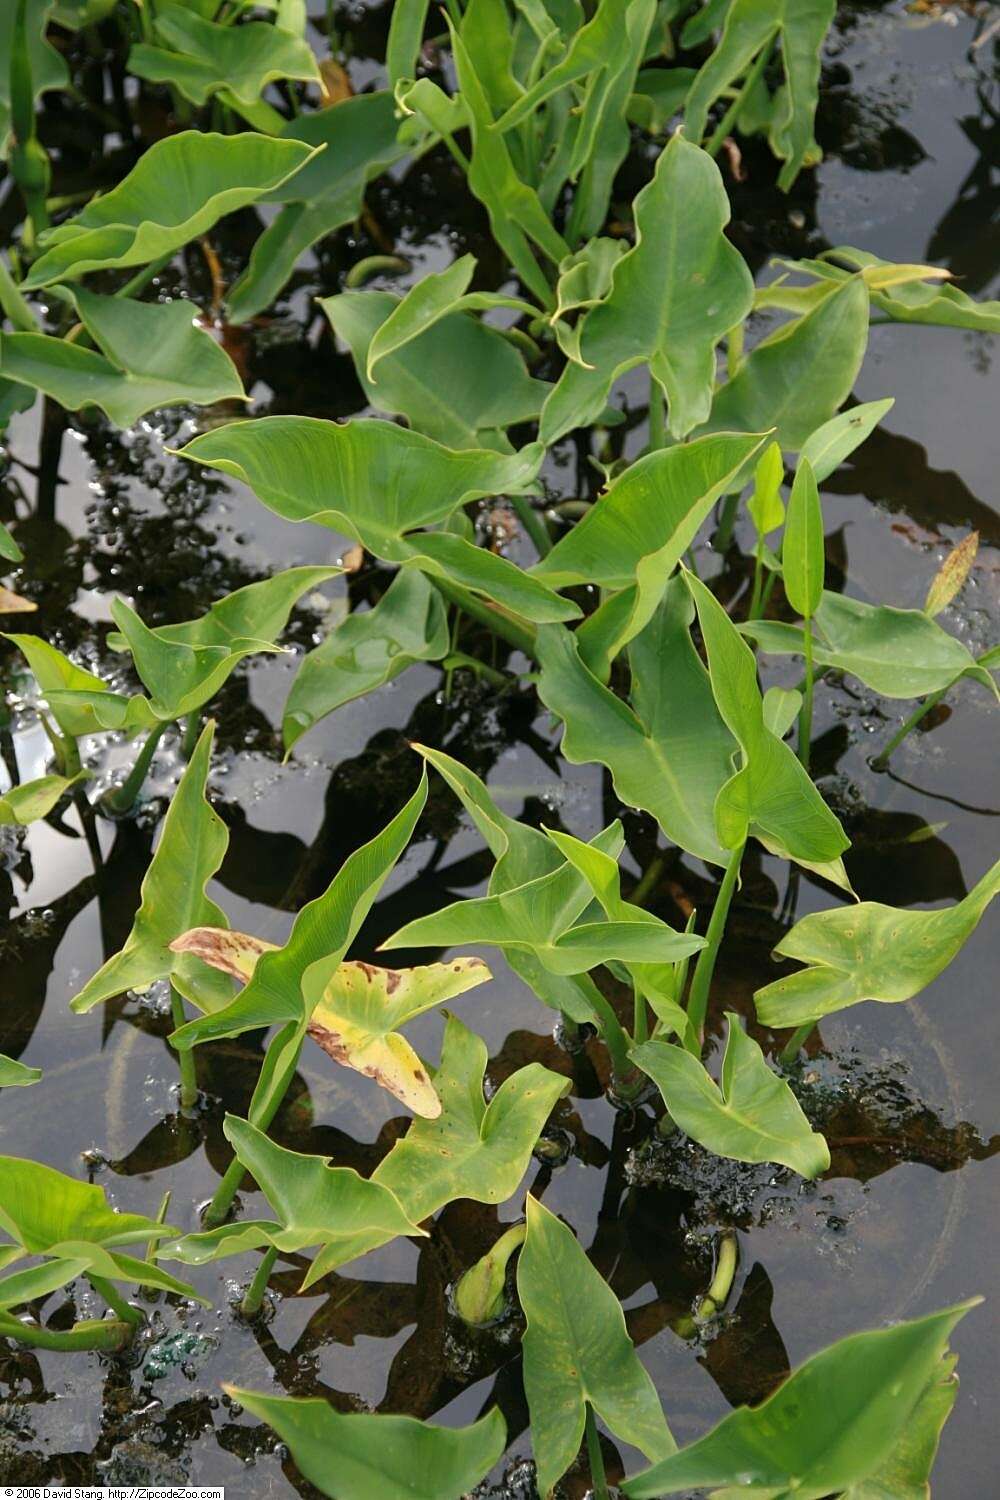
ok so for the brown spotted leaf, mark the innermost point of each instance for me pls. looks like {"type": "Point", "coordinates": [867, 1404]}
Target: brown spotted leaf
{"type": "Point", "coordinates": [235, 953]}
{"type": "Point", "coordinates": [356, 1020]}
{"type": "Point", "coordinates": [952, 575]}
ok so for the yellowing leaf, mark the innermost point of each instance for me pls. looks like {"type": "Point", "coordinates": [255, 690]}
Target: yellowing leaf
{"type": "Point", "coordinates": [356, 1021]}
{"type": "Point", "coordinates": [952, 575]}
{"type": "Point", "coordinates": [235, 953]}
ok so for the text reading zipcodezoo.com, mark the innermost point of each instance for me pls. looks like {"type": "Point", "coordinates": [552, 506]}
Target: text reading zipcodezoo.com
{"type": "Point", "coordinates": [108, 1492]}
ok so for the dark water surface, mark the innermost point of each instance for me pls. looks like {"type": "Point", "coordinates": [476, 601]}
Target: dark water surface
{"type": "Point", "coordinates": [906, 1219]}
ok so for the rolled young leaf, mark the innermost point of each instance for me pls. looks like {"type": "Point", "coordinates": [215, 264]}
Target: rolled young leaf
{"type": "Point", "coordinates": [833, 1422]}
{"type": "Point", "coordinates": [366, 1456]}
{"type": "Point", "coordinates": [577, 1352]}
{"type": "Point", "coordinates": [750, 1115]}
{"type": "Point", "coordinates": [802, 558]}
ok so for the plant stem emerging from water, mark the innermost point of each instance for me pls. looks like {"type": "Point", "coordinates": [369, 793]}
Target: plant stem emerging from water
{"type": "Point", "coordinates": [122, 800]}
{"type": "Point", "coordinates": [724, 128]}
{"type": "Point", "coordinates": [701, 984]}
{"type": "Point", "coordinates": [517, 633]}
{"type": "Point", "coordinates": [185, 1059]}
{"type": "Point", "coordinates": [126, 1314]}
{"type": "Point", "coordinates": [254, 1296]}
{"type": "Point", "coordinates": [922, 709]}
{"type": "Point", "coordinates": [598, 1478]}
{"type": "Point", "coordinates": [793, 1046]}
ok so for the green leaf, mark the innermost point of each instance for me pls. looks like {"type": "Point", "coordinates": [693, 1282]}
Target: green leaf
{"type": "Point", "coordinates": [152, 355]}
{"type": "Point", "coordinates": [899, 653]}
{"type": "Point", "coordinates": [32, 800]}
{"type": "Point", "coordinates": [42, 1209]}
{"type": "Point", "coordinates": [367, 649]}
{"type": "Point", "coordinates": [750, 1115]}
{"type": "Point", "coordinates": [203, 58]}
{"type": "Point", "coordinates": [667, 307]}
{"type": "Point", "coordinates": [459, 382]}
{"type": "Point", "coordinates": [638, 531]}
{"type": "Point", "coordinates": [353, 142]}
{"type": "Point", "coordinates": [364, 1456]}
{"type": "Point", "coordinates": [577, 1352]}
{"type": "Point", "coordinates": [321, 935]}
{"type": "Point", "coordinates": [522, 854]}
{"type": "Point", "coordinates": [184, 665]}
{"type": "Point", "coordinates": [659, 96]}
{"type": "Point", "coordinates": [670, 753]}
{"type": "Point", "coordinates": [517, 218]}
{"type": "Point", "coordinates": [868, 952]}
{"type": "Point", "coordinates": [16, 1075]}
{"type": "Point", "coordinates": [765, 504]}
{"type": "Point", "coordinates": [406, 30]}
{"type": "Point", "coordinates": [906, 1473]}
{"type": "Point", "coordinates": [427, 302]}
{"type": "Point", "coordinates": [833, 1422]}
{"type": "Point", "coordinates": [39, 1281]}
{"type": "Point", "coordinates": [8, 547]}
{"type": "Point", "coordinates": [771, 795]}
{"type": "Point", "coordinates": [588, 52]}
{"type": "Point", "coordinates": [473, 1149]}
{"type": "Point", "coordinates": [61, 682]}
{"type": "Point", "coordinates": [355, 1016]}
{"type": "Point", "coordinates": [191, 848]}
{"type": "Point", "coordinates": [315, 1204]}
{"type": "Point", "coordinates": [913, 301]}
{"type": "Point", "coordinates": [795, 379]}
{"type": "Point", "coordinates": [829, 445]}
{"type": "Point", "coordinates": [750, 26]}
{"type": "Point", "coordinates": [370, 479]}
{"type": "Point", "coordinates": [176, 191]}
{"type": "Point", "coordinates": [803, 560]}
{"type": "Point", "coordinates": [538, 918]}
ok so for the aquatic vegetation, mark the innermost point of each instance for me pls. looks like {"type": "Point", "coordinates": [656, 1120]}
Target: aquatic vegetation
{"type": "Point", "coordinates": [493, 366]}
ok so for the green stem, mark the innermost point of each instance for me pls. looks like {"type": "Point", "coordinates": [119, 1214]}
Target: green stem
{"type": "Point", "coordinates": [611, 1029]}
{"type": "Point", "coordinates": [598, 1478]}
{"type": "Point", "coordinates": [122, 800]}
{"type": "Point", "coordinates": [722, 1282]}
{"type": "Point", "coordinates": [725, 125]}
{"type": "Point", "coordinates": [734, 350]}
{"type": "Point", "coordinates": [648, 881]}
{"type": "Point", "coordinates": [13, 303]}
{"type": "Point", "coordinates": [701, 984]}
{"type": "Point", "coordinates": [67, 751]}
{"type": "Point", "coordinates": [657, 422]}
{"type": "Point", "coordinates": [640, 1031]}
{"type": "Point", "coordinates": [161, 1218]}
{"type": "Point", "coordinates": [108, 1335]}
{"type": "Point", "coordinates": [806, 711]}
{"type": "Point", "coordinates": [533, 524]}
{"type": "Point", "coordinates": [142, 278]}
{"type": "Point", "coordinates": [456, 659]}
{"type": "Point", "coordinates": [185, 1059]}
{"type": "Point", "coordinates": [758, 580]}
{"type": "Point", "coordinates": [882, 759]}
{"type": "Point", "coordinates": [192, 728]}
{"type": "Point", "coordinates": [222, 1198]}
{"type": "Point", "coordinates": [115, 1301]}
{"type": "Point", "coordinates": [518, 633]}
{"type": "Point", "coordinates": [794, 1045]}
{"type": "Point", "coordinates": [254, 1295]}
{"type": "Point", "coordinates": [456, 152]}
{"type": "Point", "coordinates": [261, 115]}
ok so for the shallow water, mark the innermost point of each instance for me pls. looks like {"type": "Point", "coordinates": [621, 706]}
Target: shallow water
{"type": "Point", "coordinates": [904, 1222]}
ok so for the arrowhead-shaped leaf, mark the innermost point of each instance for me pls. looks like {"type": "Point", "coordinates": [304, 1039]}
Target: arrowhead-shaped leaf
{"type": "Point", "coordinates": [203, 58]}
{"type": "Point", "coordinates": [356, 1014]}
{"type": "Point", "coordinates": [177, 190]}
{"type": "Point", "coordinates": [32, 800]}
{"type": "Point", "coordinates": [362, 1455]}
{"type": "Point", "coordinates": [749, 1115]}
{"type": "Point", "coordinates": [868, 952]}
{"type": "Point", "coordinates": [42, 1209]}
{"type": "Point", "coordinates": [833, 1422]}
{"type": "Point", "coordinates": [315, 1204]}
{"type": "Point", "coordinates": [576, 1351]}
{"type": "Point", "coordinates": [151, 355]}
{"type": "Point", "coordinates": [473, 1149]}
{"type": "Point", "coordinates": [671, 300]}
{"type": "Point", "coordinates": [899, 653]}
